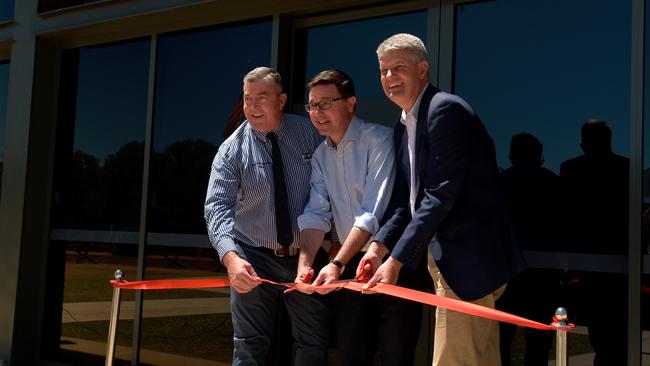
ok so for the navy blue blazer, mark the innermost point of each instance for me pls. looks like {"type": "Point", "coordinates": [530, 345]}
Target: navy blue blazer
{"type": "Point", "coordinates": [459, 199]}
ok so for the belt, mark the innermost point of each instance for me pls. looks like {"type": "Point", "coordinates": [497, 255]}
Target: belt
{"type": "Point", "coordinates": [282, 252]}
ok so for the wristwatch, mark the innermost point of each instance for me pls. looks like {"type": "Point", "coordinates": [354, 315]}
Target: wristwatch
{"type": "Point", "coordinates": [338, 263]}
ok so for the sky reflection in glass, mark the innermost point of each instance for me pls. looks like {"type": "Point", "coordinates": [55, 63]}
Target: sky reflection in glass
{"type": "Point", "coordinates": [545, 67]}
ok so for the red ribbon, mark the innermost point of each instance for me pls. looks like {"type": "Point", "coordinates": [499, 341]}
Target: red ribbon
{"type": "Point", "coordinates": [172, 284]}
{"type": "Point", "coordinates": [382, 288]}
{"type": "Point", "coordinates": [441, 301]}
{"type": "Point", "coordinates": [646, 289]}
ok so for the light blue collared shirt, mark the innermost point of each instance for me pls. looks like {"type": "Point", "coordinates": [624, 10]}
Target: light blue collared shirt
{"type": "Point", "coordinates": [351, 181]}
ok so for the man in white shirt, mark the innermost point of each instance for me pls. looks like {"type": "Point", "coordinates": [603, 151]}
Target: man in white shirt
{"type": "Point", "coordinates": [351, 182]}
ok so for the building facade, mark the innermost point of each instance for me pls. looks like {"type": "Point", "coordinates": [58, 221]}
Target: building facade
{"type": "Point", "coordinates": [112, 110]}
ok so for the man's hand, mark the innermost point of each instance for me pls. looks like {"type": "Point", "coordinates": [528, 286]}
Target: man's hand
{"type": "Point", "coordinates": [327, 274]}
{"type": "Point", "coordinates": [303, 279]}
{"type": "Point", "coordinates": [304, 274]}
{"type": "Point", "coordinates": [386, 273]}
{"type": "Point", "coordinates": [241, 273]}
{"type": "Point", "coordinates": [371, 261]}
{"type": "Point", "coordinates": [310, 241]}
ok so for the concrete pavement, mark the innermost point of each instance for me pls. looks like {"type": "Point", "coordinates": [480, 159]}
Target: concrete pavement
{"type": "Point", "coordinates": [101, 310]}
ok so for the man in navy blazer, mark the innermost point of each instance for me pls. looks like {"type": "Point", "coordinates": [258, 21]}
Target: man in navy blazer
{"type": "Point", "coordinates": [447, 210]}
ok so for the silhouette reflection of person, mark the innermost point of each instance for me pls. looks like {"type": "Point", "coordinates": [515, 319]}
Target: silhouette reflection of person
{"type": "Point", "coordinates": [531, 193]}
{"type": "Point", "coordinates": [595, 193]}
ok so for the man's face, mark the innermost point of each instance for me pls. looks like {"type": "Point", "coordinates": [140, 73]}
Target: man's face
{"type": "Point", "coordinates": [333, 121]}
{"type": "Point", "coordinates": [263, 104]}
{"type": "Point", "coordinates": [402, 79]}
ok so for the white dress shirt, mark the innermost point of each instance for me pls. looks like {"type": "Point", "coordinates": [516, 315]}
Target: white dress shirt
{"type": "Point", "coordinates": [410, 119]}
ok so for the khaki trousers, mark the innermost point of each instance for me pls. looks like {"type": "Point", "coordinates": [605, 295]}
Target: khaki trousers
{"type": "Point", "coordinates": [462, 339]}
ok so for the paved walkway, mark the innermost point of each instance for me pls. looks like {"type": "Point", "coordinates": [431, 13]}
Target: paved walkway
{"type": "Point", "coordinates": [101, 310]}
{"type": "Point", "coordinates": [146, 356]}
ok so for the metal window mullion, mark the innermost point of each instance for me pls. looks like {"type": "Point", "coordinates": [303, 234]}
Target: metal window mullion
{"type": "Point", "coordinates": [433, 40]}
{"type": "Point", "coordinates": [142, 234]}
{"type": "Point", "coordinates": [275, 41]}
{"type": "Point", "coordinates": [636, 183]}
{"type": "Point", "coordinates": [446, 46]}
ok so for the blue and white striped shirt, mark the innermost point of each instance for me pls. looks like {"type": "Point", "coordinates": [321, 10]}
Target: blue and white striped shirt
{"type": "Point", "coordinates": [239, 202]}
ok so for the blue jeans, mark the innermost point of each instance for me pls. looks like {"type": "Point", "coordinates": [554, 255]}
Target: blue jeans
{"type": "Point", "coordinates": [254, 313]}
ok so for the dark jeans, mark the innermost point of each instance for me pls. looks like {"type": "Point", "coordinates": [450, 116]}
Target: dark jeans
{"type": "Point", "coordinates": [366, 324]}
{"type": "Point", "coordinates": [254, 313]}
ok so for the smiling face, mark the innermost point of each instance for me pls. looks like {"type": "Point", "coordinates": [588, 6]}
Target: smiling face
{"type": "Point", "coordinates": [263, 104]}
{"type": "Point", "coordinates": [402, 79]}
{"type": "Point", "coordinates": [334, 121]}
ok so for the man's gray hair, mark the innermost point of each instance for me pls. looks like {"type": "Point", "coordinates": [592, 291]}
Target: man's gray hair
{"type": "Point", "coordinates": [404, 42]}
{"type": "Point", "coordinates": [263, 72]}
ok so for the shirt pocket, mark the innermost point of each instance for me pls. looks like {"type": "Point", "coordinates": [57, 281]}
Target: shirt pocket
{"type": "Point", "coordinates": [257, 180]}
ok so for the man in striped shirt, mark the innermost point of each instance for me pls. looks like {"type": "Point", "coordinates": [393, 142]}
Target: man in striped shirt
{"type": "Point", "coordinates": [240, 212]}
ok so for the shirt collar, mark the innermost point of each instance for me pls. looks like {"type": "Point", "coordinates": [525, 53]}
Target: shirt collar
{"type": "Point", "coordinates": [414, 110]}
{"type": "Point", "coordinates": [352, 133]}
{"type": "Point", "coordinates": [280, 131]}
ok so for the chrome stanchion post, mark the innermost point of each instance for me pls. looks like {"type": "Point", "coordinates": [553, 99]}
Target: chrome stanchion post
{"type": "Point", "coordinates": [112, 325]}
{"type": "Point", "coordinates": [560, 322]}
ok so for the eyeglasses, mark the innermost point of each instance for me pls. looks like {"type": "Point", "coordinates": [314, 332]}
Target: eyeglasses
{"type": "Point", "coordinates": [322, 105]}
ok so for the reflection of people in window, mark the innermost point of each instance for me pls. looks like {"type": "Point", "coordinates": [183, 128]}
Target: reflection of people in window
{"type": "Point", "coordinates": [596, 189]}
{"type": "Point", "coordinates": [531, 193]}
{"type": "Point", "coordinates": [595, 194]}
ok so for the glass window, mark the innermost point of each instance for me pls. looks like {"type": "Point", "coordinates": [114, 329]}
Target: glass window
{"type": "Point", "coordinates": [198, 88]}
{"type": "Point", "coordinates": [550, 78]}
{"type": "Point", "coordinates": [351, 48]}
{"type": "Point", "coordinates": [107, 147]}
{"type": "Point", "coordinates": [6, 10]}
{"type": "Point", "coordinates": [4, 83]}
{"type": "Point", "coordinates": [96, 197]}
{"type": "Point", "coordinates": [544, 68]}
